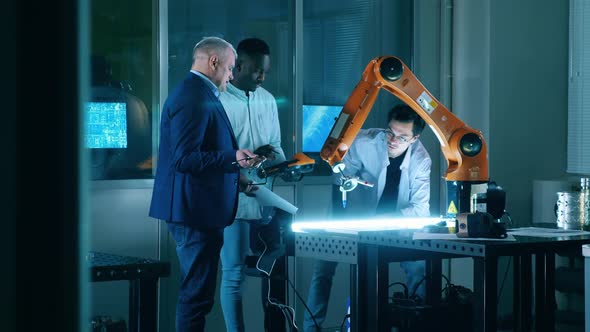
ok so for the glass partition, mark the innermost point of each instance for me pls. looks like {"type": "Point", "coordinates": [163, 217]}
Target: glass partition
{"type": "Point", "coordinates": [339, 40]}
{"type": "Point", "coordinates": [117, 130]}
{"type": "Point", "coordinates": [117, 136]}
{"type": "Point", "coordinates": [233, 20]}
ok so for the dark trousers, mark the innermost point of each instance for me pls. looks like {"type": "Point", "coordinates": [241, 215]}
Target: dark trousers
{"type": "Point", "coordinates": [198, 255]}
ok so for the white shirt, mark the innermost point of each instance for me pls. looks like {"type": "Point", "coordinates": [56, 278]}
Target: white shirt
{"type": "Point", "coordinates": [212, 85]}
{"type": "Point", "coordinates": [255, 122]}
{"type": "Point", "coordinates": [368, 159]}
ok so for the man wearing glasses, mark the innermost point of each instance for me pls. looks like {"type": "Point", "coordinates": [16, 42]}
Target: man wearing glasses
{"type": "Point", "coordinates": [396, 162]}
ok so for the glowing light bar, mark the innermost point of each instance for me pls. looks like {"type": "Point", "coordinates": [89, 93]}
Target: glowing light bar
{"type": "Point", "coordinates": [375, 224]}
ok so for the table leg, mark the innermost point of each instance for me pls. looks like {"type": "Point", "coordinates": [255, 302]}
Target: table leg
{"type": "Point", "coordinates": [372, 279]}
{"type": "Point", "coordinates": [517, 294]}
{"type": "Point", "coordinates": [366, 302]}
{"type": "Point", "coordinates": [527, 292]}
{"type": "Point", "coordinates": [143, 305]}
{"type": "Point", "coordinates": [550, 289]}
{"type": "Point", "coordinates": [433, 284]}
{"type": "Point", "coordinates": [383, 321]}
{"type": "Point", "coordinates": [540, 293]}
{"type": "Point", "coordinates": [354, 303]}
{"type": "Point", "coordinates": [586, 291]}
{"type": "Point", "coordinates": [485, 281]}
{"type": "Point", "coordinates": [545, 303]}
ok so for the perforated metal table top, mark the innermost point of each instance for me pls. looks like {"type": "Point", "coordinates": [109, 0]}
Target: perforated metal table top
{"type": "Point", "coordinates": [343, 247]}
{"type": "Point", "coordinates": [472, 248]}
{"type": "Point", "coordinates": [395, 239]}
{"type": "Point", "coordinates": [106, 267]}
{"type": "Point", "coordinates": [339, 247]}
{"type": "Point", "coordinates": [336, 247]}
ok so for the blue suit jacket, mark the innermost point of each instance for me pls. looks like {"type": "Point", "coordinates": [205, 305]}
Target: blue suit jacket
{"type": "Point", "coordinates": [196, 181]}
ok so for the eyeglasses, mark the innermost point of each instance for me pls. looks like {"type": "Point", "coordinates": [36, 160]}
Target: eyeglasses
{"type": "Point", "coordinates": [402, 139]}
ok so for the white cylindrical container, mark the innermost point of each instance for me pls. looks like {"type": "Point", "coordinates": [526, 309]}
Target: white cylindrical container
{"type": "Point", "coordinates": [544, 199]}
{"type": "Point", "coordinates": [573, 210]}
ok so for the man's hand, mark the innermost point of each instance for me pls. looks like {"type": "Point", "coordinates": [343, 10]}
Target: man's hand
{"type": "Point", "coordinates": [266, 151]}
{"type": "Point", "coordinates": [246, 159]}
{"type": "Point", "coordinates": [245, 185]}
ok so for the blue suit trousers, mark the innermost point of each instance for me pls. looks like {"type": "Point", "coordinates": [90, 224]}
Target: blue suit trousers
{"type": "Point", "coordinates": [198, 256]}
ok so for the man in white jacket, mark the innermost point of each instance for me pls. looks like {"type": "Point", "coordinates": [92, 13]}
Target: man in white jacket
{"type": "Point", "coordinates": [252, 112]}
{"type": "Point", "coordinates": [398, 165]}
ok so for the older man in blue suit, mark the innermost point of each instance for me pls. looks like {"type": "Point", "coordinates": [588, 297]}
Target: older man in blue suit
{"type": "Point", "coordinates": [197, 177]}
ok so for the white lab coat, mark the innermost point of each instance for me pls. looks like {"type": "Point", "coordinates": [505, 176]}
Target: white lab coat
{"type": "Point", "coordinates": [255, 122]}
{"type": "Point", "coordinates": [367, 158]}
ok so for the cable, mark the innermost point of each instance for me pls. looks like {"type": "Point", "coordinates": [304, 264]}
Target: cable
{"type": "Point", "coordinates": [304, 304]}
{"type": "Point", "coordinates": [448, 285]}
{"type": "Point", "coordinates": [424, 278]}
{"type": "Point", "coordinates": [447, 279]}
{"type": "Point", "coordinates": [417, 286]}
{"type": "Point", "coordinates": [282, 307]}
{"type": "Point", "coordinates": [347, 316]}
{"type": "Point", "coordinates": [285, 310]}
{"type": "Point", "coordinates": [289, 317]}
{"type": "Point", "coordinates": [504, 279]}
{"type": "Point", "coordinates": [260, 257]}
{"type": "Point", "coordinates": [401, 284]}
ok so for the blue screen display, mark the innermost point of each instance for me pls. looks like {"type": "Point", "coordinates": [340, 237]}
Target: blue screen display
{"type": "Point", "coordinates": [106, 125]}
{"type": "Point", "coordinates": [317, 123]}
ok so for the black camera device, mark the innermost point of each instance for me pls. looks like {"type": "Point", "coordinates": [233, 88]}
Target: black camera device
{"type": "Point", "coordinates": [480, 224]}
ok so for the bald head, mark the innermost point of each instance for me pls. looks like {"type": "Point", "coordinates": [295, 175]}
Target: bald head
{"type": "Point", "coordinates": [215, 58]}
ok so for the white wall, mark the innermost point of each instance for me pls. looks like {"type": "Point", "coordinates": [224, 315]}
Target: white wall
{"type": "Point", "coordinates": [510, 81]}
{"type": "Point", "coordinates": [428, 28]}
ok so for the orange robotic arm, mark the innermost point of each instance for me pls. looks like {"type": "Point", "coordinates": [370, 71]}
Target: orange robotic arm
{"type": "Point", "coordinates": [463, 147]}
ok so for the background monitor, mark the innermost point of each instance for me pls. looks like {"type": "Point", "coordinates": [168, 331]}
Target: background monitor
{"type": "Point", "coordinates": [105, 125]}
{"type": "Point", "coordinates": [317, 123]}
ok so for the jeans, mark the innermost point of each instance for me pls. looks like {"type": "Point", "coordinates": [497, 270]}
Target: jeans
{"type": "Point", "coordinates": [198, 257]}
{"type": "Point", "coordinates": [415, 272]}
{"type": "Point", "coordinates": [319, 294]}
{"type": "Point", "coordinates": [321, 285]}
{"type": "Point", "coordinates": [233, 255]}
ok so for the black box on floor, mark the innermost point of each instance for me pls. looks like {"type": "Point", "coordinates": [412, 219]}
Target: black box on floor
{"type": "Point", "coordinates": [444, 317]}
{"type": "Point", "coordinates": [107, 324]}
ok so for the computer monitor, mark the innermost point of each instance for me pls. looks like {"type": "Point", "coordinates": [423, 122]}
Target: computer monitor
{"type": "Point", "coordinates": [105, 125]}
{"type": "Point", "coordinates": [317, 123]}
